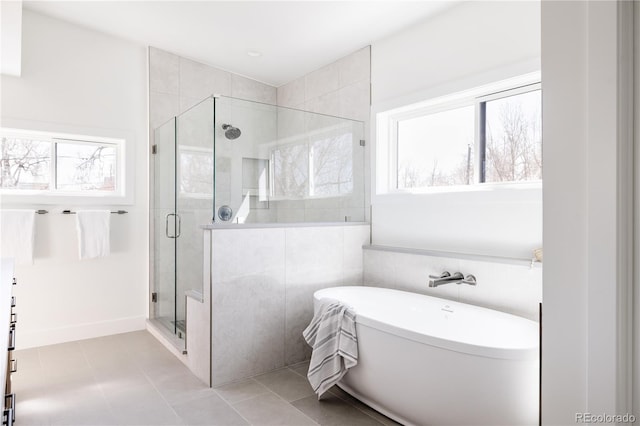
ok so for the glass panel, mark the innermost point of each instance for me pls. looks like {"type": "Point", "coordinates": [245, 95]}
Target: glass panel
{"type": "Point", "coordinates": [25, 163]}
{"type": "Point", "coordinates": [514, 138]}
{"type": "Point", "coordinates": [436, 149]}
{"type": "Point", "coordinates": [286, 165]}
{"type": "Point", "coordinates": [86, 166]}
{"type": "Point", "coordinates": [332, 160]}
{"type": "Point", "coordinates": [194, 201]}
{"type": "Point", "coordinates": [291, 170]}
{"type": "Point", "coordinates": [164, 224]}
{"type": "Point", "coordinates": [245, 134]}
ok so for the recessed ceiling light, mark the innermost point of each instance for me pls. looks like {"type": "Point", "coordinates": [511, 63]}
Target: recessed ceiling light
{"type": "Point", "coordinates": [253, 53]}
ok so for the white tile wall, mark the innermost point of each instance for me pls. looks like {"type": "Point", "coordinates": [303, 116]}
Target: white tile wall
{"type": "Point", "coordinates": [162, 106]}
{"type": "Point", "coordinates": [354, 101]}
{"type": "Point", "coordinates": [176, 84]}
{"type": "Point", "coordinates": [355, 67]}
{"type": "Point", "coordinates": [199, 81]}
{"type": "Point", "coordinates": [322, 81]}
{"type": "Point", "coordinates": [292, 94]}
{"type": "Point", "coordinates": [198, 343]}
{"type": "Point", "coordinates": [164, 75]}
{"type": "Point", "coordinates": [263, 282]}
{"type": "Point", "coordinates": [248, 287]}
{"type": "Point", "coordinates": [515, 289]}
{"type": "Point", "coordinates": [340, 89]}
{"type": "Point", "coordinates": [252, 90]}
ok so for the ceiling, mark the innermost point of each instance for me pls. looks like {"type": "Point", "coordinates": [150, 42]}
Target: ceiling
{"type": "Point", "coordinates": [293, 37]}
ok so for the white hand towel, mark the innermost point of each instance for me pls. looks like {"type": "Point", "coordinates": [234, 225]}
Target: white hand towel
{"type": "Point", "coordinates": [17, 231]}
{"type": "Point", "coordinates": [93, 233]}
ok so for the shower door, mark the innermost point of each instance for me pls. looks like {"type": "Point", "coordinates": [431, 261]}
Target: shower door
{"type": "Point", "coordinates": [194, 200]}
{"type": "Point", "coordinates": [183, 201]}
{"type": "Point", "coordinates": [165, 226]}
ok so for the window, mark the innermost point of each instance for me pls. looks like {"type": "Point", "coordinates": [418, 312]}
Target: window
{"type": "Point", "coordinates": [484, 138]}
{"type": "Point", "coordinates": [513, 138]}
{"type": "Point", "coordinates": [41, 163]}
{"type": "Point", "coordinates": [436, 149]}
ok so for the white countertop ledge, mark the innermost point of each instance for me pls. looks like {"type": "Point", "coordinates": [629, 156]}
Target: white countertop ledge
{"type": "Point", "coordinates": [195, 295]}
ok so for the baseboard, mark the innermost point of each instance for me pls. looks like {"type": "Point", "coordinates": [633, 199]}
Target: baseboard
{"type": "Point", "coordinates": [31, 339]}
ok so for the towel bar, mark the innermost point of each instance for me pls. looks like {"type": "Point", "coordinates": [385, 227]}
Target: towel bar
{"type": "Point", "coordinates": [42, 211]}
{"type": "Point", "coordinates": [116, 212]}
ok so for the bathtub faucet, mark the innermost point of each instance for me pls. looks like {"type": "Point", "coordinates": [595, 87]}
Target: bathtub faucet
{"type": "Point", "coordinates": [446, 277]}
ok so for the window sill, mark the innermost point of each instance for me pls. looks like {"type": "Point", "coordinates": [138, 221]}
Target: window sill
{"type": "Point", "coordinates": [466, 196]}
{"type": "Point", "coordinates": [480, 187]}
{"type": "Point", "coordinates": [67, 199]}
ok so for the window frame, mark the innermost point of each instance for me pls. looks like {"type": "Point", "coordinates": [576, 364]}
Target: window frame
{"type": "Point", "coordinates": [387, 135]}
{"type": "Point", "coordinates": [55, 195]}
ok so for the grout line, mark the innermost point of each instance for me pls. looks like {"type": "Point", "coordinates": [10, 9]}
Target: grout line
{"type": "Point", "coordinates": [216, 390]}
{"type": "Point", "coordinates": [234, 408]}
{"type": "Point", "coordinates": [282, 399]}
{"type": "Point", "coordinates": [358, 407]}
{"type": "Point", "coordinates": [93, 371]}
{"type": "Point", "coordinates": [270, 391]}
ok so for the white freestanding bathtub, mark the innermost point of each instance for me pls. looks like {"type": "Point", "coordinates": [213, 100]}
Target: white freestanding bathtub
{"type": "Point", "coordinates": [430, 361]}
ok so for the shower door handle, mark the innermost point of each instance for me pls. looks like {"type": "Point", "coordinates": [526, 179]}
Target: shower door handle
{"type": "Point", "coordinates": [179, 225]}
{"type": "Point", "coordinates": [166, 225]}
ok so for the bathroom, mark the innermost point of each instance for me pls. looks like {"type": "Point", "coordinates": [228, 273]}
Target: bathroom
{"type": "Point", "coordinates": [237, 325]}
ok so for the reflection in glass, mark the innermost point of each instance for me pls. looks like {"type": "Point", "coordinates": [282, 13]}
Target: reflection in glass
{"type": "Point", "coordinates": [332, 160]}
{"type": "Point", "coordinates": [196, 165]}
{"type": "Point", "coordinates": [291, 171]}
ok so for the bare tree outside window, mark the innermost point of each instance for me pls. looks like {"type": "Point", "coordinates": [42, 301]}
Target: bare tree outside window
{"type": "Point", "coordinates": [514, 139]}
{"type": "Point", "coordinates": [436, 149]}
{"type": "Point", "coordinates": [85, 167]}
{"type": "Point", "coordinates": [25, 164]}
{"type": "Point", "coordinates": [36, 161]}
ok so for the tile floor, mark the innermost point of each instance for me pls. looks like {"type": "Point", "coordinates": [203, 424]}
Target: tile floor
{"type": "Point", "coordinates": [131, 379]}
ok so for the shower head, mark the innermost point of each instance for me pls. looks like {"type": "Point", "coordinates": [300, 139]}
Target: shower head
{"type": "Point", "coordinates": [231, 132]}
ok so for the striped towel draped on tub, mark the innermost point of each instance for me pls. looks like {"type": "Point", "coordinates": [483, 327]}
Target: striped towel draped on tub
{"type": "Point", "coordinates": [332, 335]}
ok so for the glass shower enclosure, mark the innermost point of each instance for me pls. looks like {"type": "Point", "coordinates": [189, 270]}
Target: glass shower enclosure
{"type": "Point", "coordinates": [229, 162]}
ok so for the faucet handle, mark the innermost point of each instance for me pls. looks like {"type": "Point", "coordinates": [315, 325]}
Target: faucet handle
{"type": "Point", "coordinates": [444, 274]}
{"type": "Point", "coordinates": [457, 276]}
{"type": "Point", "coordinates": [470, 279]}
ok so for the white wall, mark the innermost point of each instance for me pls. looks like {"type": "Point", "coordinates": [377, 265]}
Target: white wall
{"type": "Point", "coordinates": [79, 81]}
{"type": "Point", "coordinates": [584, 197]}
{"type": "Point", "coordinates": [513, 288]}
{"type": "Point", "coordinates": [462, 42]}
{"type": "Point", "coordinates": [469, 45]}
{"type": "Point", "coordinates": [11, 37]}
